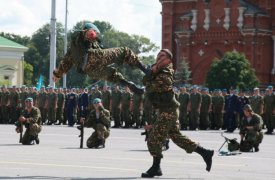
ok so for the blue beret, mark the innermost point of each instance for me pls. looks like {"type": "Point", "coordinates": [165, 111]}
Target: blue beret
{"type": "Point", "coordinates": [270, 87]}
{"type": "Point", "coordinates": [224, 90]}
{"type": "Point", "coordinates": [89, 25]}
{"type": "Point", "coordinates": [96, 100]}
{"type": "Point", "coordinates": [29, 99]}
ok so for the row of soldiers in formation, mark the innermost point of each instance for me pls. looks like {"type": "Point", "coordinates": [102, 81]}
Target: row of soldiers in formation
{"type": "Point", "coordinates": [199, 108]}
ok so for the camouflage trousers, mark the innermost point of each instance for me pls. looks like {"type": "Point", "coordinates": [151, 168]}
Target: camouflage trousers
{"type": "Point", "coordinates": [100, 63]}
{"type": "Point", "coordinates": [32, 131]}
{"type": "Point", "coordinates": [59, 115]}
{"type": "Point", "coordinates": [116, 115]}
{"type": "Point", "coordinates": [136, 117]}
{"type": "Point", "coordinates": [204, 120]}
{"type": "Point", "coordinates": [269, 120]}
{"type": "Point", "coordinates": [51, 115]}
{"type": "Point", "coordinates": [43, 114]}
{"type": "Point", "coordinates": [217, 120]}
{"type": "Point", "coordinates": [183, 118]}
{"type": "Point", "coordinates": [167, 126]}
{"type": "Point", "coordinates": [126, 116]}
{"type": "Point", "coordinates": [252, 139]}
{"type": "Point", "coordinates": [100, 133]}
{"type": "Point", "coordinates": [194, 119]}
{"type": "Point", "coordinates": [5, 114]}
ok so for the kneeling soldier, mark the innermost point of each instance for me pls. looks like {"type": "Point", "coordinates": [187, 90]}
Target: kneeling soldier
{"type": "Point", "coordinates": [99, 119]}
{"type": "Point", "coordinates": [251, 130]}
{"type": "Point", "coordinates": [31, 118]}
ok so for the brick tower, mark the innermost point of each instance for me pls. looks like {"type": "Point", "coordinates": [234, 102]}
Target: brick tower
{"type": "Point", "coordinates": [200, 30]}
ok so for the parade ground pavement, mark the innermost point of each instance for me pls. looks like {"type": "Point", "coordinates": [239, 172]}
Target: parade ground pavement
{"type": "Point", "coordinates": [125, 156]}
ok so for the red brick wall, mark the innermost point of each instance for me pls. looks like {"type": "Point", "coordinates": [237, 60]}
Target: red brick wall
{"type": "Point", "coordinates": [200, 47]}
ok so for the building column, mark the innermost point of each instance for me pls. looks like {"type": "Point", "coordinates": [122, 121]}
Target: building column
{"type": "Point", "coordinates": [194, 20]}
{"type": "Point", "coordinates": [273, 69]}
{"type": "Point", "coordinates": [207, 19]}
{"type": "Point", "coordinates": [226, 24]}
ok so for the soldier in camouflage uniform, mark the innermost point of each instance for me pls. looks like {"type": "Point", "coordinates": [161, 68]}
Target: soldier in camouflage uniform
{"type": "Point", "coordinates": [206, 103]}
{"type": "Point", "coordinates": [41, 103]}
{"type": "Point", "coordinates": [23, 95]}
{"type": "Point", "coordinates": [257, 102]}
{"type": "Point", "coordinates": [86, 54]}
{"type": "Point", "coordinates": [60, 106]}
{"type": "Point", "coordinates": [194, 107]}
{"type": "Point", "coordinates": [14, 105]}
{"type": "Point", "coordinates": [51, 106]}
{"type": "Point", "coordinates": [159, 86]}
{"type": "Point", "coordinates": [71, 107]}
{"type": "Point", "coordinates": [106, 97]}
{"type": "Point", "coordinates": [116, 106]}
{"type": "Point", "coordinates": [95, 93]}
{"type": "Point", "coordinates": [217, 109]}
{"type": "Point", "coordinates": [126, 98]}
{"type": "Point", "coordinates": [269, 108]}
{"type": "Point", "coordinates": [99, 120]}
{"type": "Point", "coordinates": [251, 130]}
{"type": "Point", "coordinates": [33, 94]}
{"type": "Point", "coordinates": [5, 105]}
{"type": "Point", "coordinates": [137, 108]}
{"type": "Point", "coordinates": [184, 97]}
{"type": "Point", "coordinates": [31, 118]}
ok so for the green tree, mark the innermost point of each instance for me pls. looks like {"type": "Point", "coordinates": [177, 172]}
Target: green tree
{"type": "Point", "coordinates": [233, 70]}
{"type": "Point", "coordinates": [28, 73]}
{"type": "Point", "coordinates": [23, 40]}
{"type": "Point", "coordinates": [38, 54]}
{"type": "Point", "coordinates": [183, 73]}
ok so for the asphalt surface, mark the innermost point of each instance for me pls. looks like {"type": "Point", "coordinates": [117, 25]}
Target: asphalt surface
{"type": "Point", "coordinates": [58, 156]}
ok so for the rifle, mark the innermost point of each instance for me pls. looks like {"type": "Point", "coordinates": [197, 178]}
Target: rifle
{"type": "Point", "coordinates": [19, 124]}
{"type": "Point", "coordinates": [81, 128]}
{"type": "Point", "coordinates": [233, 144]}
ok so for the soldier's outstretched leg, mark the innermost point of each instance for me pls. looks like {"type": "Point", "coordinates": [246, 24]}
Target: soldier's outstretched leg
{"type": "Point", "coordinates": [206, 155]}
{"type": "Point", "coordinates": [154, 170]}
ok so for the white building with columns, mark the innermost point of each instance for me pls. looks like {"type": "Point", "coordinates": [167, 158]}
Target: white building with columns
{"type": "Point", "coordinates": [11, 62]}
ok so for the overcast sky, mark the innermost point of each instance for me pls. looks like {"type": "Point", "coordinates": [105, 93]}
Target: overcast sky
{"type": "Point", "coordinates": [141, 17]}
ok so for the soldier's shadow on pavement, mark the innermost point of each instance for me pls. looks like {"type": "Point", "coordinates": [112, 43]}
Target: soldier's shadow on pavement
{"type": "Point", "coordinates": [139, 150]}
{"type": "Point", "coordinates": [11, 145]}
{"type": "Point", "coordinates": [69, 178]}
{"type": "Point", "coordinates": [75, 178]}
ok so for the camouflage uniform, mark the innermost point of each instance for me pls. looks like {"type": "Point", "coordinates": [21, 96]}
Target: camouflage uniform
{"type": "Point", "coordinates": [160, 93]}
{"type": "Point", "coordinates": [60, 107]}
{"type": "Point", "coordinates": [94, 94]}
{"type": "Point", "coordinates": [256, 102]}
{"type": "Point", "coordinates": [32, 125]}
{"type": "Point", "coordinates": [206, 103]}
{"type": "Point", "coordinates": [195, 103]}
{"type": "Point", "coordinates": [217, 109]}
{"type": "Point", "coordinates": [106, 99]}
{"type": "Point", "coordinates": [23, 96]}
{"type": "Point", "coordinates": [51, 107]}
{"type": "Point", "coordinates": [126, 98]}
{"type": "Point", "coordinates": [5, 107]}
{"type": "Point", "coordinates": [116, 98]}
{"type": "Point", "coordinates": [101, 126]}
{"type": "Point", "coordinates": [137, 100]}
{"type": "Point", "coordinates": [269, 106]}
{"type": "Point", "coordinates": [252, 138]}
{"type": "Point", "coordinates": [97, 63]}
{"type": "Point", "coordinates": [147, 111]}
{"type": "Point", "coordinates": [1, 94]}
{"type": "Point", "coordinates": [41, 103]}
{"type": "Point", "coordinates": [184, 100]}
{"type": "Point", "coordinates": [14, 106]}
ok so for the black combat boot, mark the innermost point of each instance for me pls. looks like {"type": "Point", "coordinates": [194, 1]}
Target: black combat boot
{"type": "Point", "coordinates": [154, 170]}
{"type": "Point", "coordinates": [206, 155]}
{"type": "Point", "coordinates": [132, 86]}
{"type": "Point", "coordinates": [36, 139]}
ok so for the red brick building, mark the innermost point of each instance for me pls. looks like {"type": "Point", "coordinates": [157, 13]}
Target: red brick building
{"type": "Point", "coordinates": [201, 30]}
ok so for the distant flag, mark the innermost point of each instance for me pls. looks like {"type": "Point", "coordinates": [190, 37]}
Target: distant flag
{"type": "Point", "coordinates": [40, 82]}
